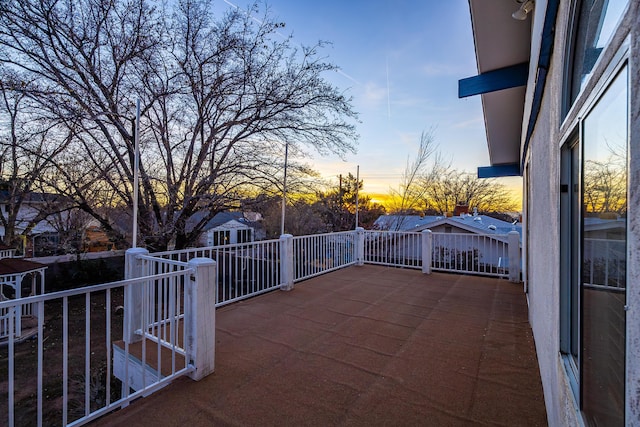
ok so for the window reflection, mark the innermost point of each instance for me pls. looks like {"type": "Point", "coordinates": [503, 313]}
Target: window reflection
{"type": "Point", "coordinates": [597, 21]}
{"type": "Point", "coordinates": [604, 204]}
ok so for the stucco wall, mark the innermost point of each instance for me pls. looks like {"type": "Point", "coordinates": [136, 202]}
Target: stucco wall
{"type": "Point", "coordinates": [544, 221]}
{"type": "Point", "coordinates": [633, 249]}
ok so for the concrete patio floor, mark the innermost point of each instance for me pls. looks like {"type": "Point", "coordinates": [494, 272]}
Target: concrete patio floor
{"type": "Point", "coordinates": [364, 346]}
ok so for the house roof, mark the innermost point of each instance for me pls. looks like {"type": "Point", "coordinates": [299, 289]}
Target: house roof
{"type": "Point", "coordinates": [501, 42]}
{"type": "Point", "coordinates": [480, 224]}
{"type": "Point", "coordinates": [597, 224]}
{"type": "Point", "coordinates": [225, 217]}
{"type": "Point", "coordinates": [219, 219]}
{"type": "Point", "coordinates": [33, 197]}
{"type": "Point", "coordinates": [518, 52]}
{"type": "Point", "coordinates": [10, 266]}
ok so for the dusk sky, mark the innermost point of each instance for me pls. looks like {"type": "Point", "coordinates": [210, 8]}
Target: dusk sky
{"type": "Point", "coordinates": [401, 61]}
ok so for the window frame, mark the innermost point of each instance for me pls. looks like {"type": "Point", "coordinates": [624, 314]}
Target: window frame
{"type": "Point", "coordinates": [568, 104]}
{"type": "Point", "coordinates": [574, 136]}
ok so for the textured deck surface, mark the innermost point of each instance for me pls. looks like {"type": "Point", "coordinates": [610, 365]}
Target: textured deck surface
{"type": "Point", "coordinates": [364, 346]}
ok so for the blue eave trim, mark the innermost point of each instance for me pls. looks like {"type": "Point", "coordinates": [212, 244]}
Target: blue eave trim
{"type": "Point", "coordinates": [491, 81]}
{"type": "Point", "coordinates": [497, 171]}
{"type": "Point", "coordinates": [544, 61]}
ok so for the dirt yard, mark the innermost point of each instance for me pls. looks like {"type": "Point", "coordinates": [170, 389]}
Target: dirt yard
{"type": "Point", "coordinates": [26, 357]}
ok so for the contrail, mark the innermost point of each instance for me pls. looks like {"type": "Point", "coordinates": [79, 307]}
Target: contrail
{"type": "Point", "coordinates": [342, 73]}
{"type": "Point", "coordinates": [388, 92]}
{"type": "Point", "coordinates": [238, 7]}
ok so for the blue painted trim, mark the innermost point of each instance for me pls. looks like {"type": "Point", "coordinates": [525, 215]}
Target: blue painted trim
{"type": "Point", "coordinates": [546, 49]}
{"type": "Point", "coordinates": [491, 81]}
{"type": "Point", "coordinates": [496, 171]}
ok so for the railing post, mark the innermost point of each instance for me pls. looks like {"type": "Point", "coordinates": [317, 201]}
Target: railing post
{"type": "Point", "coordinates": [359, 247]}
{"type": "Point", "coordinates": [132, 322]}
{"type": "Point", "coordinates": [427, 245]}
{"type": "Point", "coordinates": [200, 317]}
{"type": "Point", "coordinates": [513, 239]}
{"type": "Point", "coordinates": [286, 262]}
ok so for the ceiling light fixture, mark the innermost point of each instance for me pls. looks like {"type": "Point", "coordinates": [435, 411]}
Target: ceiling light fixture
{"type": "Point", "coordinates": [525, 8]}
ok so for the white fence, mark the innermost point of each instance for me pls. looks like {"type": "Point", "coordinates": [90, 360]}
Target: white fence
{"type": "Point", "coordinates": [164, 303]}
{"type": "Point", "coordinates": [393, 248]}
{"type": "Point", "coordinates": [167, 305]}
{"type": "Point", "coordinates": [97, 348]}
{"type": "Point", "coordinates": [471, 253]}
{"type": "Point", "coordinates": [604, 264]}
{"type": "Point", "coordinates": [465, 253]}
{"type": "Point", "coordinates": [16, 328]}
{"type": "Point", "coordinates": [243, 270]}
{"type": "Point", "coordinates": [321, 253]}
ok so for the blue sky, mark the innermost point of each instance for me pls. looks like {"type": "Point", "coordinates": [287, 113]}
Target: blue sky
{"type": "Point", "coordinates": [401, 62]}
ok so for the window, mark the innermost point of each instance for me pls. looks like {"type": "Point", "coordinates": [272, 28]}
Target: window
{"type": "Point", "coordinates": [244, 235]}
{"type": "Point", "coordinates": [221, 237]}
{"type": "Point", "coordinates": [593, 202]}
{"type": "Point", "coordinates": [594, 23]}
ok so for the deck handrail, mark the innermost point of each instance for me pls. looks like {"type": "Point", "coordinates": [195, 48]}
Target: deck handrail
{"type": "Point", "coordinates": [163, 315]}
{"type": "Point", "coordinates": [82, 301]}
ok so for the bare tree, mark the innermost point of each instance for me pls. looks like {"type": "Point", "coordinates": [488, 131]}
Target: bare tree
{"type": "Point", "coordinates": [605, 186]}
{"type": "Point", "coordinates": [220, 97]}
{"type": "Point", "coordinates": [28, 145]}
{"type": "Point", "coordinates": [408, 198]}
{"type": "Point", "coordinates": [430, 185]}
{"type": "Point", "coordinates": [448, 188]}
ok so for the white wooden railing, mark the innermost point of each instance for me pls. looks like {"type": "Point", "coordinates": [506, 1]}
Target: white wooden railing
{"type": "Point", "coordinates": [466, 253]}
{"type": "Point", "coordinates": [321, 253]}
{"type": "Point", "coordinates": [98, 348]}
{"type": "Point", "coordinates": [169, 298]}
{"type": "Point", "coordinates": [244, 270]}
{"type": "Point", "coordinates": [603, 264]}
{"type": "Point", "coordinates": [393, 248]}
{"type": "Point", "coordinates": [487, 255]}
{"type": "Point", "coordinates": [86, 354]}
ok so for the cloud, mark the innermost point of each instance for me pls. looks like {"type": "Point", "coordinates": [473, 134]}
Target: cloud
{"type": "Point", "coordinates": [373, 94]}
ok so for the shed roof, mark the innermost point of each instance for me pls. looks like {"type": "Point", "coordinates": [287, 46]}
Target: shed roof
{"type": "Point", "coordinates": [10, 266]}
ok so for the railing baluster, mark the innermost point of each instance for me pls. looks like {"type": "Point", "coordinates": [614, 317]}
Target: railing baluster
{"type": "Point", "coordinates": [172, 324]}
{"type": "Point", "coordinates": [87, 353]}
{"type": "Point", "coordinates": [108, 344]}
{"type": "Point", "coordinates": [11, 357]}
{"type": "Point", "coordinates": [65, 360]}
{"type": "Point", "coordinates": [145, 331]}
{"type": "Point", "coordinates": [40, 356]}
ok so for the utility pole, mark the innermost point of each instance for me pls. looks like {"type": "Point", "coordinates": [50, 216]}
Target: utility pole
{"type": "Point", "coordinates": [357, 188]}
{"type": "Point", "coordinates": [136, 174]}
{"type": "Point", "coordinates": [284, 187]}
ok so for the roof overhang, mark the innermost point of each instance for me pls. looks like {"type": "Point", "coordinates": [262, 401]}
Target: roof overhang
{"type": "Point", "coordinates": [502, 46]}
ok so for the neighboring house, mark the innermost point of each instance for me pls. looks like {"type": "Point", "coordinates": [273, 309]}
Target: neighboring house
{"type": "Point", "coordinates": [45, 233]}
{"type": "Point", "coordinates": [232, 227]}
{"type": "Point", "coordinates": [561, 101]}
{"type": "Point", "coordinates": [488, 247]}
{"type": "Point", "coordinates": [465, 223]}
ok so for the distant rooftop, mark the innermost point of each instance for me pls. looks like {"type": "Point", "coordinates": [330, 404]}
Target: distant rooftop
{"type": "Point", "coordinates": [478, 224]}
